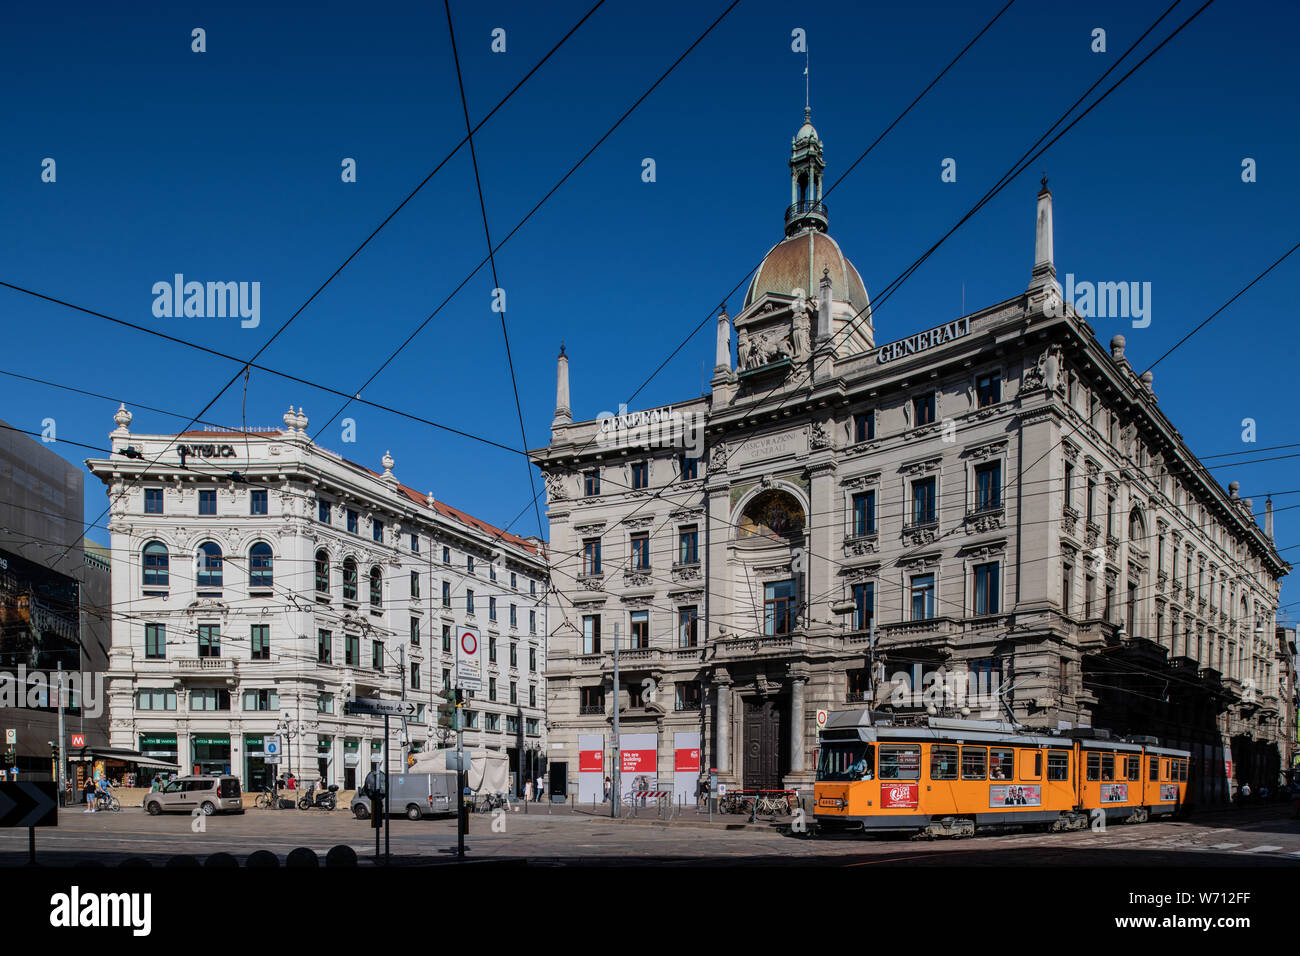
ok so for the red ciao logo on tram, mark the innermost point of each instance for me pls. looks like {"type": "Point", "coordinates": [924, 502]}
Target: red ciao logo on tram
{"type": "Point", "coordinates": [893, 795]}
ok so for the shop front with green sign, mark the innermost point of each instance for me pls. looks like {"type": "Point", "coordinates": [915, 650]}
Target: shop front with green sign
{"type": "Point", "coordinates": [351, 757]}
{"type": "Point", "coordinates": [211, 753]}
{"type": "Point", "coordinates": [258, 774]}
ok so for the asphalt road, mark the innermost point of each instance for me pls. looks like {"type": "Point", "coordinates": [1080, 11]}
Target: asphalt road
{"type": "Point", "coordinates": [1260, 837]}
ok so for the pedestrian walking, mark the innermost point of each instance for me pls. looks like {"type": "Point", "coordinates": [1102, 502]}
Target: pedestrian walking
{"type": "Point", "coordinates": [537, 791]}
{"type": "Point", "coordinates": [607, 789]}
{"type": "Point", "coordinates": [528, 792]}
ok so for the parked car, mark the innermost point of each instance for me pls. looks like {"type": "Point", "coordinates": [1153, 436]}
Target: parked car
{"type": "Point", "coordinates": [415, 794]}
{"type": "Point", "coordinates": [208, 794]}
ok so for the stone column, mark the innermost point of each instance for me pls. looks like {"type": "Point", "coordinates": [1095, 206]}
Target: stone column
{"type": "Point", "coordinates": [796, 725]}
{"type": "Point", "coordinates": [722, 721]}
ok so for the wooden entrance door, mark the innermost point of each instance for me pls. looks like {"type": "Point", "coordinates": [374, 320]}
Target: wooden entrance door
{"type": "Point", "coordinates": [765, 745]}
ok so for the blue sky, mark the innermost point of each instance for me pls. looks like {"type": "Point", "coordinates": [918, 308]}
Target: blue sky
{"type": "Point", "coordinates": [225, 166]}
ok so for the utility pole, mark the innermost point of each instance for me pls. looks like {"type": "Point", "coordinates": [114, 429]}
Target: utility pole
{"type": "Point", "coordinates": [62, 758]}
{"type": "Point", "coordinates": [617, 756]}
{"type": "Point", "coordinates": [460, 762]}
{"type": "Point", "coordinates": [388, 798]}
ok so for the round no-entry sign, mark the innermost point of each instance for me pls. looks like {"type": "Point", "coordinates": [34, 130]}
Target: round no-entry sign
{"type": "Point", "coordinates": [821, 719]}
{"type": "Point", "coordinates": [469, 643]}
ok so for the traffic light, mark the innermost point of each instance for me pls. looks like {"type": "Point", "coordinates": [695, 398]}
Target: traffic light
{"type": "Point", "coordinates": [447, 712]}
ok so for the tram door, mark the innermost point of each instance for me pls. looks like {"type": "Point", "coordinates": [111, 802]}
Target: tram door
{"type": "Point", "coordinates": [766, 749]}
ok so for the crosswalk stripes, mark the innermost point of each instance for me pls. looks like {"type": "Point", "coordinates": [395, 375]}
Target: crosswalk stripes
{"type": "Point", "coordinates": [1223, 846]}
{"type": "Point", "coordinates": [1266, 848]}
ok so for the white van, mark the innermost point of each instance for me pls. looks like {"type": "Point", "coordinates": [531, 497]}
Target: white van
{"type": "Point", "coordinates": [417, 795]}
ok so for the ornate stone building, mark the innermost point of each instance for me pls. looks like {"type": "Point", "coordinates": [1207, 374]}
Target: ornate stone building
{"type": "Point", "coordinates": [993, 513]}
{"type": "Point", "coordinates": [262, 581]}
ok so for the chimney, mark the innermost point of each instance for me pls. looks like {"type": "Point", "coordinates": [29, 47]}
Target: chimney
{"type": "Point", "coordinates": [563, 414]}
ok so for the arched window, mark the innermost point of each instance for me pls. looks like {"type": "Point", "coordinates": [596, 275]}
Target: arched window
{"type": "Point", "coordinates": [156, 561]}
{"type": "Point", "coordinates": [1136, 529]}
{"type": "Point", "coordinates": [323, 571]}
{"type": "Point", "coordinates": [376, 587]}
{"type": "Point", "coordinates": [259, 565]}
{"type": "Point", "coordinates": [349, 579]}
{"type": "Point", "coordinates": [209, 562]}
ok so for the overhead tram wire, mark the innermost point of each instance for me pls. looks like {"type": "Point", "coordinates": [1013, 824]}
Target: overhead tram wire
{"type": "Point", "coordinates": [519, 225]}
{"type": "Point", "coordinates": [245, 366]}
{"type": "Point", "coordinates": [496, 283]}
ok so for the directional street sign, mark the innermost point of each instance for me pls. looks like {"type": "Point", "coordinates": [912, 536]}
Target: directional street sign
{"type": "Point", "coordinates": [28, 805]}
{"type": "Point", "coordinates": [391, 708]}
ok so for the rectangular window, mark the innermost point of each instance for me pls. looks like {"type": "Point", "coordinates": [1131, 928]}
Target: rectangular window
{"type": "Point", "coordinates": [1153, 768]}
{"type": "Point", "coordinates": [261, 700]}
{"type": "Point", "coordinates": [591, 483]}
{"type": "Point", "coordinates": [1134, 768]}
{"type": "Point", "coordinates": [531, 727]}
{"type": "Point", "coordinates": [155, 641]}
{"type": "Point", "coordinates": [988, 389]}
{"type": "Point", "coordinates": [1089, 595]}
{"type": "Point", "coordinates": [532, 622]}
{"type": "Point", "coordinates": [1092, 495]}
{"type": "Point", "coordinates": [492, 608]}
{"type": "Point", "coordinates": [922, 597]}
{"type": "Point", "coordinates": [514, 654]}
{"type": "Point", "coordinates": [1067, 577]}
{"type": "Point", "coordinates": [641, 551]}
{"type": "Point", "coordinates": [688, 538]}
{"type": "Point", "coordinates": [514, 616]}
{"type": "Point", "coordinates": [690, 468]}
{"type": "Point", "coordinates": [974, 763]}
{"type": "Point", "coordinates": [415, 632]}
{"type": "Point", "coordinates": [469, 564]}
{"type": "Point", "coordinates": [322, 511]}
{"type": "Point", "coordinates": [1107, 766]}
{"type": "Point", "coordinates": [532, 587]}
{"type": "Point", "coordinates": [923, 498]}
{"type": "Point", "coordinates": [591, 634]}
{"type": "Point", "coordinates": [532, 695]}
{"type": "Point", "coordinates": [493, 721]}
{"type": "Point", "coordinates": [688, 620]}
{"type": "Point", "coordinates": [324, 647]}
{"type": "Point", "coordinates": [209, 699]}
{"type": "Point", "coordinates": [352, 650]}
{"type": "Point", "coordinates": [446, 594]}
{"type": "Point", "coordinates": [446, 679]}
{"type": "Point", "coordinates": [260, 639]}
{"type": "Point", "coordinates": [492, 571]}
{"type": "Point", "coordinates": [943, 762]}
{"type": "Point", "coordinates": [900, 762]}
{"type": "Point", "coordinates": [514, 695]}
{"type": "Point", "coordinates": [986, 588]}
{"type": "Point", "coordinates": [1069, 484]}
{"type": "Point", "coordinates": [640, 474]}
{"type": "Point", "coordinates": [923, 409]}
{"type": "Point", "coordinates": [209, 640]}
{"type": "Point", "coordinates": [207, 502]}
{"type": "Point", "coordinates": [514, 581]}
{"type": "Point", "coordinates": [532, 658]}
{"type": "Point", "coordinates": [469, 602]}
{"type": "Point", "coordinates": [415, 584]}
{"type": "Point", "coordinates": [446, 638]}
{"type": "Point", "coordinates": [324, 703]}
{"type": "Point", "coordinates": [864, 514]}
{"type": "Point", "coordinates": [492, 650]}
{"type": "Point", "coordinates": [864, 606]}
{"type": "Point", "coordinates": [415, 676]}
{"type": "Point", "coordinates": [988, 486]}
{"type": "Point", "coordinates": [864, 426]}
{"type": "Point", "coordinates": [687, 696]}
{"type": "Point", "coordinates": [1110, 515]}
{"type": "Point", "coordinates": [591, 556]}
{"type": "Point", "coordinates": [352, 522]}
{"type": "Point", "coordinates": [415, 543]}
{"type": "Point", "coordinates": [257, 502]}
{"type": "Point", "coordinates": [156, 699]}
{"type": "Point", "coordinates": [377, 655]}
{"type": "Point", "coordinates": [446, 555]}
{"type": "Point", "coordinates": [1058, 765]}
{"type": "Point", "coordinates": [1002, 764]}
{"type": "Point", "coordinates": [153, 501]}
{"type": "Point", "coordinates": [640, 629]}
{"type": "Point", "coordinates": [778, 607]}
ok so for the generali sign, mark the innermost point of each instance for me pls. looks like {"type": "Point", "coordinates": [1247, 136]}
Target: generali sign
{"type": "Point", "coordinates": [923, 340]}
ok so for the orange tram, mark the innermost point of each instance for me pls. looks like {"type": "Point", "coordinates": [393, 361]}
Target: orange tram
{"type": "Point", "coordinates": [945, 776]}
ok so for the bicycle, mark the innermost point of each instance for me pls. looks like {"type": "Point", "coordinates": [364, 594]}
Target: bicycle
{"type": "Point", "coordinates": [268, 800]}
{"type": "Point", "coordinates": [106, 801]}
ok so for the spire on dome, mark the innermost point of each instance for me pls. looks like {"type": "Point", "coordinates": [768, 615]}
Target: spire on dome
{"type": "Point", "coordinates": [806, 211]}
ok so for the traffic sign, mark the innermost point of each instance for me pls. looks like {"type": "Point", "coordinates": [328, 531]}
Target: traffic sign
{"type": "Point", "coordinates": [469, 654]}
{"type": "Point", "coordinates": [271, 748]}
{"type": "Point", "coordinates": [11, 737]}
{"type": "Point", "coordinates": [78, 740]}
{"type": "Point", "coordinates": [28, 805]}
{"type": "Point", "coordinates": [390, 708]}
{"type": "Point", "coordinates": [270, 759]}
{"type": "Point", "coordinates": [821, 719]}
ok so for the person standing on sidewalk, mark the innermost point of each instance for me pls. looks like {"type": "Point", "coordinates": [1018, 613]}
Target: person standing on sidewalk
{"type": "Point", "coordinates": [88, 793]}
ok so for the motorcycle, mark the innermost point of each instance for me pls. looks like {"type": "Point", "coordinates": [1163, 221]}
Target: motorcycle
{"type": "Point", "coordinates": [313, 799]}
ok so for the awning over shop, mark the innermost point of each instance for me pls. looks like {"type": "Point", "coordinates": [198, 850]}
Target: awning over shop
{"type": "Point", "coordinates": [125, 756]}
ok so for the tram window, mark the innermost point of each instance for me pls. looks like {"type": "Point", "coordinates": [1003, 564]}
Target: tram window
{"type": "Point", "coordinates": [973, 763]}
{"type": "Point", "coordinates": [1134, 768]}
{"type": "Point", "coordinates": [1164, 770]}
{"type": "Point", "coordinates": [1002, 764]}
{"type": "Point", "coordinates": [900, 762]}
{"type": "Point", "coordinates": [845, 761]}
{"type": "Point", "coordinates": [1094, 766]}
{"type": "Point", "coordinates": [943, 762]}
{"type": "Point", "coordinates": [1153, 768]}
{"type": "Point", "coordinates": [1058, 765]}
{"type": "Point", "coordinates": [1107, 766]}
{"type": "Point", "coordinates": [1031, 764]}
{"type": "Point", "coordinates": [1182, 770]}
